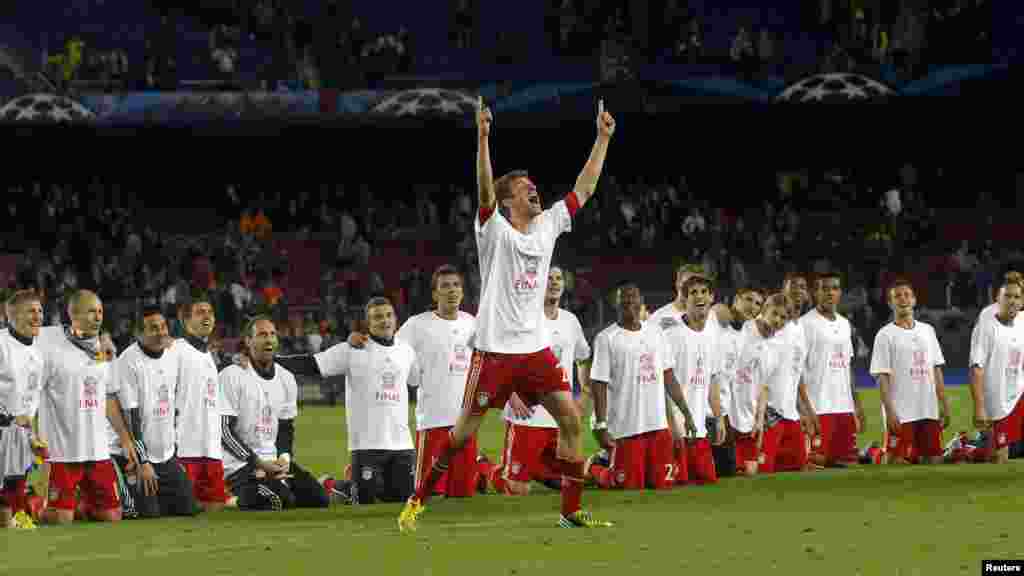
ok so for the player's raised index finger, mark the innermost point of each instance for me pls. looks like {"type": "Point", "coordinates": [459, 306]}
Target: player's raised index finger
{"type": "Point", "coordinates": [600, 106]}
{"type": "Point", "coordinates": [480, 101]}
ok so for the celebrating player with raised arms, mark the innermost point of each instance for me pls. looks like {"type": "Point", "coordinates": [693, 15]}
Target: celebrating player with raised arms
{"type": "Point", "coordinates": [260, 404]}
{"type": "Point", "coordinates": [528, 432]}
{"type": "Point", "coordinates": [696, 364]}
{"type": "Point", "coordinates": [829, 378]}
{"type": "Point", "coordinates": [376, 406]}
{"type": "Point", "coordinates": [147, 375]}
{"type": "Point", "coordinates": [21, 372]}
{"type": "Point", "coordinates": [515, 239]}
{"type": "Point", "coordinates": [760, 359]}
{"type": "Point", "coordinates": [907, 362]}
{"type": "Point", "coordinates": [997, 381]}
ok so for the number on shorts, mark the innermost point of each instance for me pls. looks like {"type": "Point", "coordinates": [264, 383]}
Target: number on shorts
{"type": "Point", "coordinates": [670, 472]}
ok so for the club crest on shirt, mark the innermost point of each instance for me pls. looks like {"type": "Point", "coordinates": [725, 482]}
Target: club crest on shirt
{"type": "Point", "coordinates": [211, 393]}
{"type": "Point", "coordinates": [527, 283]}
{"type": "Point", "coordinates": [90, 394]}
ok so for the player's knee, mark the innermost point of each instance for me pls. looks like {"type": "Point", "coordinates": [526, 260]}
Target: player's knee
{"type": "Point", "coordinates": [108, 515]}
{"type": "Point", "coordinates": [516, 488]}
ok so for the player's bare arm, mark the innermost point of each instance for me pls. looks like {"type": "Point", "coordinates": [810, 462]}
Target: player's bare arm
{"type": "Point", "coordinates": [716, 410]}
{"type": "Point", "coordinates": [116, 418]}
{"type": "Point", "coordinates": [892, 419]}
{"type": "Point", "coordinates": [601, 435]}
{"type": "Point", "coordinates": [940, 394]}
{"type": "Point", "coordinates": [484, 173]}
{"type": "Point", "coordinates": [675, 392]}
{"type": "Point", "coordinates": [761, 414]}
{"type": "Point", "coordinates": [978, 397]}
{"type": "Point", "coordinates": [858, 406]}
{"type": "Point", "coordinates": [811, 424]}
{"type": "Point", "coordinates": [586, 182]}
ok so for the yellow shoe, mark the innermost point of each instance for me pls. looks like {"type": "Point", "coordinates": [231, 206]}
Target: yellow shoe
{"type": "Point", "coordinates": [411, 511]}
{"type": "Point", "coordinates": [582, 519]}
{"type": "Point", "coordinates": [23, 521]}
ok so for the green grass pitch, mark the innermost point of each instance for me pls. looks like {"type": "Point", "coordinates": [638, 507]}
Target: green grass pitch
{"type": "Point", "coordinates": [864, 520]}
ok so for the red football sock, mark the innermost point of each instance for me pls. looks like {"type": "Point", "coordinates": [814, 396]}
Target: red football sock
{"type": "Point", "coordinates": [426, 488]}
{"type": "Point", "coordinates": [572, 486]}
{"type": "Point", "coordinates": [602, 475]}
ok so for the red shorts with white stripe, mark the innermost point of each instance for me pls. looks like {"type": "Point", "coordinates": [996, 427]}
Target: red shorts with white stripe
{"type": "Point", "coordinates": [1010, 429]}
{"type": "Point", "coordinates": [96, 483]}
{"type": "Point", "coordinates": [207, 476]}
{"type": "Point", "coordinates": [524, 445]}
{"type": "Point", "coordinates": [493, 377]}
{"type": "Point", "coordinates": [460, 479]}
{"type": "Point", "coordinates": [838, 439]}
{"type": "Point", "coordinates": [644, 461]}
{"type": "Point", "coordinates": [695, 462]}
{"type": "Point", "coordinates": [785, 447]}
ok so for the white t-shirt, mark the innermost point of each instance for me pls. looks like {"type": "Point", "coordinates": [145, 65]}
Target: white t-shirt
{"type": "Point", "coordinates": [695, 364]}
{"type": "Point", "coordinates": [999, 350]}
{"type": "Point", "coordinates": [21, 374]}
{"type": "Point", "coordinates": [783, 387]}
{"type": "Point", "coordinates": [73, 404]}
{"type": "Point", "coordinates": [149, 384]}
{"type": "Point", "coordinates": [760, 358]}
{"type": "Point", "coordinates": [910, 358]}
{"type": "Point", "coordinates": [730, 344]}
{"type": "Point", "coordinates": [258, 404]}
{"type": "Point", "coordinates": [829, 353]}
{"type": "Point", "coordinates": [513, 277]}
{"type": "Point", "coordinates": [633, 365]}
{"type": "Point", "coordinates": [443, 357]}
{"type": "Point", "coordinates": [376, 397]}
{"type": "Point", "coordinates": [666, 317]}
{"type": "Point", "coordinates": [197, 397]}
{"type": "Point", "coordinates": [569, 345]}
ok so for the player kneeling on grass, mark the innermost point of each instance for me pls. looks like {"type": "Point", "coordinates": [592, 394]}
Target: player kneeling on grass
{"type": "Point", "coordinates": [377, 408]}
{"type": "Point", "coordinates": [907, 362]}
{"type": "Point", "coordinates": [260, 404]}
{"type": "Point", "coordinates": [631, 373]}
{"type": "Point", "coordinates": [997, 384]}
{"type": "Point", "coordinates": [696, 365]}
{"type": "Point", "coordinates": [146, 381]}
{"type": "Point", "coordinates": [760, 358]}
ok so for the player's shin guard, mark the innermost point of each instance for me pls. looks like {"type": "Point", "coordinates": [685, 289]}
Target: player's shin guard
{"type": "Point", "coordinates": [425, 489]}
{"type": "Point", "coordinates": [572, 486]}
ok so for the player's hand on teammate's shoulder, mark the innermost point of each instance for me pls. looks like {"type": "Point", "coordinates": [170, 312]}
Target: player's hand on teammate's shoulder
{"type": "Point", "coordinates": [605, 122]}
{"type": "Point", "coordinates": [519, 408]}
{"type": "Point", "coordinates": [358, 339]}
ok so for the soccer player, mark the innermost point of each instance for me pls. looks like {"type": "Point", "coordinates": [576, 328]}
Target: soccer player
{"type": "Point", "coordinates": [988, 313]}
{"type": "Point", "coordinates": [695, 362]}
{"type": "Point", "coordinates": [907, 362]}
{"type": "Point", "coordinates": [147, 375]}
{"type": "Point", "coordinates": [260, 404]}
{"type": "Point", "coordinates": [516, 237]}
{"type": "Point", "coordinates": [376, 406]}
{"type": "Point", "coordinates": [75, 406]}
{"type": "Point", "coordinates": [761, 357]}
{"type": "Point", "coordinates": [828, 376]}
{"type": "Point", "coordinates": [631, 375]}
{"type": "Point", "coordinates": [441, 339]}
{"type": "Point", "coordinates": [746, 305]}
{"type": "Point", "coordinates": [21, 371]}
{"type": "Point", "coordinates": [199, 420]}
{"type": "Point", "coordinates": [996, 378]}
{"type": "Point", "coordinates": [527, 438]}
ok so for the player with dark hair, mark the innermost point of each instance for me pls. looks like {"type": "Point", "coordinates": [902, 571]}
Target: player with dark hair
{"type": "Point", "coordinates": [829, 378]}
{"type": "Point", "coordinates": [516, 238]}
{"type": "Point", "coordinates": [907, 362]}
{"type": "Point", "coordinates": [377, 407]}
{"type": "Point", "coordinates": [632, 374]}
{"type": "Point", "coordinates": [997, 381]}
{"type": "Point", "coordinates": [21, 372]}
{"type": "Point", "coordinates": [146, 375]}
{"type": "Point", "coordinates": [197, 403]}
{"type": "Point", "coordinates": [260, 404]}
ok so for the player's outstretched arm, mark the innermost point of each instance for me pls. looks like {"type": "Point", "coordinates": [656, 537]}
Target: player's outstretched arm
{"type": "Point", "coordinates": [586, 182]}
{"type": "Point", "coordinates": [484, 173]}
{"type": "Point", "coordinates": [675, 392]}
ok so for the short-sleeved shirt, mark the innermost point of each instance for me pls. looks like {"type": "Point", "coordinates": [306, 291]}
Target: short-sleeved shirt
{"type": "Point", "coordinates": [910, 357]}
{"type": "Point", "coordinates": [258, 403]}
{"type": "Point", "coordinates": [633, 364]}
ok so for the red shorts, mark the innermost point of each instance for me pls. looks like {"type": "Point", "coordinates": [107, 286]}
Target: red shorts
{"type": "Point", "coordinates": [207, 476]}
{"type": "Point", "coordinates": [524, 445]}
{"type": "Point", "coordinates": [96, 483]}
{"type": "Point", "coordinates": [460, 479]}
{"type": "Point", "coordinates": [695, 463]}
{"type": "Point", "coordinates": [785, 447]}
{"type": "Point", "coordinates": [494, 377]}
{"type": "Point", "coordinates": [644, 461]}
{"type": "Point", "coordinates": [838, 439]}
{"type": "Point", "coordinates": [916, 439]}
{"type": "Point", "coordinates": [746, 450]}
{"type": "Point", "coordinates": [1010, 429]}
